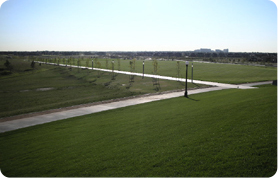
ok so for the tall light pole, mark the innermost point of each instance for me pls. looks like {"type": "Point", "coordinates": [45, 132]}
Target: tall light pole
{"type": "Point", "coordinates": [192, 74]}
{"type": "Point", "coordinates": [113, 70]}
{"type": "Point", "coordinates": [113, 66]}
{"type": "Point", "coordinates": [143, 69]}
{"type": "Point", "coordinates": [185, 92]}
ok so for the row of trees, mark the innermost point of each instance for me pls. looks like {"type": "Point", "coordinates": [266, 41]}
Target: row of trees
{"type": "Point", "coordinates": [108, 65]}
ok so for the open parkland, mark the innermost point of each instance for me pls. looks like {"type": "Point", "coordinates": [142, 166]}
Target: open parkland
{"type": "Point", "coordinates": [225, 132]}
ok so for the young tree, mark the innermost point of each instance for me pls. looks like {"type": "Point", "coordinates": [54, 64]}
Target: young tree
{"type": "Point", "coordinates": [119, 64]}
{"type": "Point", "coordinates": [155, 72]}
{"type": "Point", "coordinates": [132, 68]}
{"type": "Point", "coordinates": [98, 65]}
{"type": "Point", "coordinates": [155, 67]}
{"type": "Point", "coordinates": [78, 65]}
{"type": "Point", "coordinates": [87, 63]}
{"type": "Point", "coordinates": [73, 61]}
{"type": "Point", "coordinates": [8, 65]}
{"type": "Point", "coordinates": [33, 64]}
{"type": "Point", "coordinates": [106, 64]}
{"type": "Point", "coordinates": [112, 68]}
{"type": "Point", "coordinates": [133, 64]}
{"type": "Point", "coordinates": [178, 69]}
{"type": "Point", "coordinates": [69, 62]}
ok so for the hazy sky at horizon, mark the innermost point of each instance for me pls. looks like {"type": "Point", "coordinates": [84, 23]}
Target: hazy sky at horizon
{"type": "Point", "coordinates": [138, 25]}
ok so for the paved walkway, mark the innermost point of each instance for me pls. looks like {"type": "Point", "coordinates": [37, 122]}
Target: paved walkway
{"type": "Point", "coordinates": [162, 77]}
{"type": "Point", "coordinates": [41, 119]}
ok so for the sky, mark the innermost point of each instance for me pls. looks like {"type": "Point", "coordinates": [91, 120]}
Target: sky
{"type": "Point", "coordinates": [138, 25]}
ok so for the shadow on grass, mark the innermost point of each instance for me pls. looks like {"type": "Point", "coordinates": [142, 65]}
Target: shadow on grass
{"type": "Point", "coordinates": [196, 85]}
{"type": "Point", "coordinates": [192, 99]}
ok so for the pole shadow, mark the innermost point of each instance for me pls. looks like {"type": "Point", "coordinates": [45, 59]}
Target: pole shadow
{"type": "Point", "coordinates": [192, 99]}
{"type": "Point", "coordinates": [196, 85]}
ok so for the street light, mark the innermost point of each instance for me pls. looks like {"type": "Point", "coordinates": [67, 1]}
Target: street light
{"type": "Point", "coordinates": [143, 69]}
{"type": "Point", "coordinates": [185, 92]}
{"type": "Point", "coordinates": [113, 70]}
{"type": "Point", "coordinates": [192, 74]}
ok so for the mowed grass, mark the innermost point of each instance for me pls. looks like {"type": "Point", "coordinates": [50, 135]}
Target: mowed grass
{"type": "Point", "coordinates": [23, 92]}
{"type": "Point", "coordinates": [223, 73]}
{"type": "Point", "coordinates": [223, 133]}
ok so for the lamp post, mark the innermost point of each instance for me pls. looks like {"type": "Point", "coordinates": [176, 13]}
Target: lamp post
{"type": "Point", "coordinates": [185, 92]}
{"type": "Point", "coordinates": [113, 70]}
{"type": "Point", "coordinates": [92, 64]}
{"type": "Point", "coordinates": [192, 74]}
{"type": "Point", "coordinates": [143, 69]}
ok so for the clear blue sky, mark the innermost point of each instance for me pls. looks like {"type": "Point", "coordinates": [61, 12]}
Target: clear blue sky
{"type": "Point", "coordinates": [138, 25]}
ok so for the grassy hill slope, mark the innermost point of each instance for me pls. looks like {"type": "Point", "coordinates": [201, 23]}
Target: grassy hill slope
{"type": "Point", "coordinates": [224, 133]}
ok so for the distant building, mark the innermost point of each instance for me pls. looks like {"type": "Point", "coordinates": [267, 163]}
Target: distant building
{"type": "Point", "coordinates": [205, 50]}
{"type": "Point", "coordinates": [225, 50]}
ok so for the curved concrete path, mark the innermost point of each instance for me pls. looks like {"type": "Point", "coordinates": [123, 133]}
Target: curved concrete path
{"type": "Point", "coordinates": [41, 119]}
{"type": "Point", "coordinates": [160, 77]}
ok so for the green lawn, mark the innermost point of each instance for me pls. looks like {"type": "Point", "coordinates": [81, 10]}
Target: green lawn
{"type": "Point", "coordinates": [223, 133]}
{"type": "Point", "coordinates": [223, 73]}
{"type": "Point", "coordinates": [20, 92]}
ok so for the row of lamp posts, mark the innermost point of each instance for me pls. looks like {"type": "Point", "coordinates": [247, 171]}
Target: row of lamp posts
{"type": "Point", "coordinates": [186, 63]}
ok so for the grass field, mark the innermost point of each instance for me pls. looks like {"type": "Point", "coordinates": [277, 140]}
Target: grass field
{"type": "Point", "coordinates": [223, 73]}
{"type": "Point", "coordinates": [224, 133]}
{"type": "Point", "coordinates": [26, 91]}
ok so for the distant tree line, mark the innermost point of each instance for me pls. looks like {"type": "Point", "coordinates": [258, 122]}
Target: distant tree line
{"type": "Point", "coordinates": [169, 55]}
